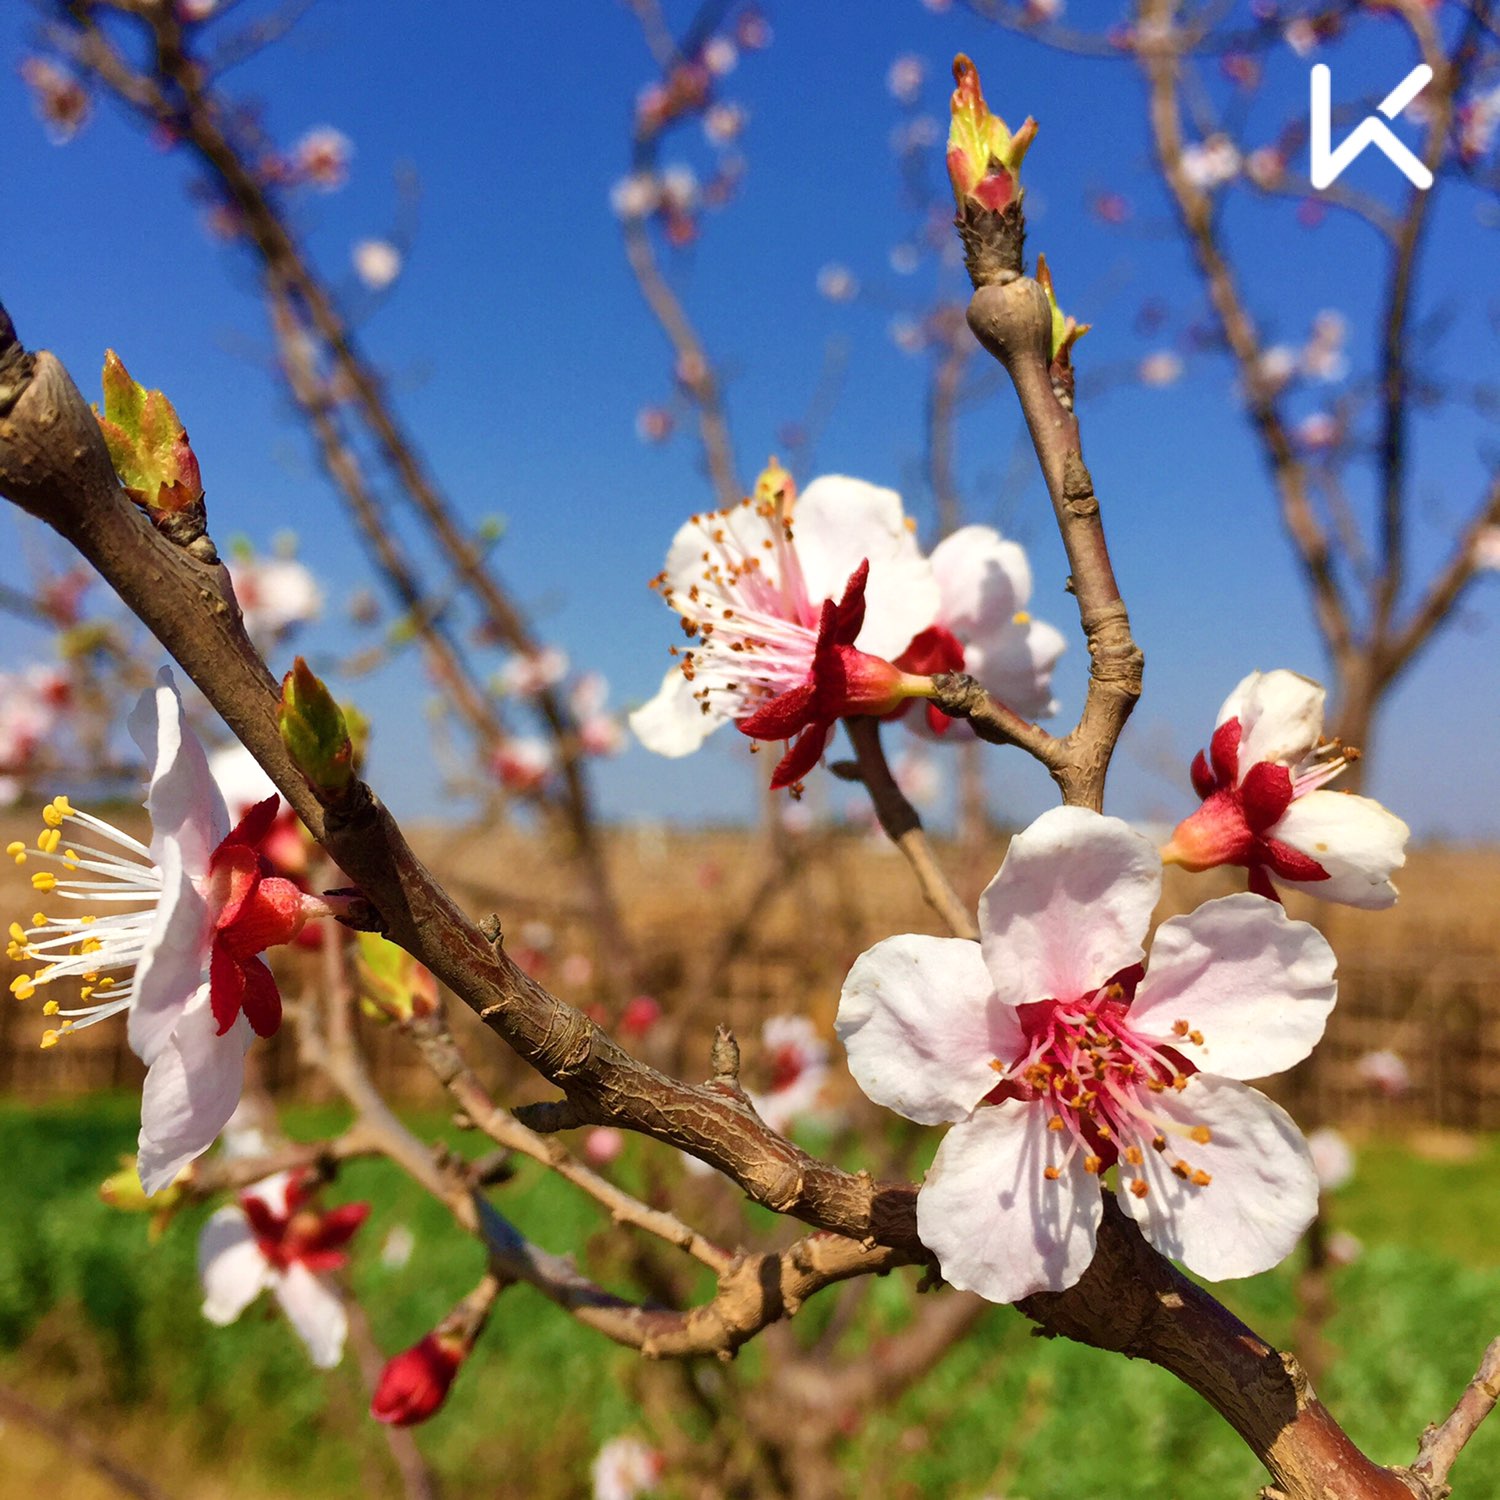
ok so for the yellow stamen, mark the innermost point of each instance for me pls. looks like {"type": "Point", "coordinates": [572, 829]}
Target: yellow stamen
{"type": "Point", "coordinates": [17, 851]}
{"type": "Point", "coordinates": [50, 1008]}
{"type": "Point", "coordinates": [1051, 1174]}
{"type": "Point", "coordinates": [1021, 617]}
{"type": "Point", "coordinates": [48, 840]}
{"type": "Point", "coordinates": [1201, 1179]}
{"type": "Point", "coordinates": [1202, 1134]}
{"type": "Point", "coordinates": [56, 811]}
{"type": "Point", "coordinates": [1139, 1188]}
{"type": "Point", "coordinates": [22, 987]}
{"type": "Point", "coordinates": [43, 880]}
{"type": "Point", "coordinates": [49, 1039]}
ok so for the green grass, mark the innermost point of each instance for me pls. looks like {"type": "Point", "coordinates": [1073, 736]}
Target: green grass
{"type": "Point", "coordinates": [95, 1318]}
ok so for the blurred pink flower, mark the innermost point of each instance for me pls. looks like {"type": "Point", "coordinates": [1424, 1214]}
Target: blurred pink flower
{"type": "Point", "coordinates": [322, 158]}
{"type": "Point", "coordinates": [277, 1240]}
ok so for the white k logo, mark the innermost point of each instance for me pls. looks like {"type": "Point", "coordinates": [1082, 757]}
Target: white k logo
{"type": "Point", "coordinates": [1328, 164]}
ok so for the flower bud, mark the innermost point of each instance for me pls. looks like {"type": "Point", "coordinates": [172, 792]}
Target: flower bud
{"type": "Point", "coordinates": [415, 1383]}
{"type": "Point", "coordinates": [984, 158]}
{"type": "Point", "coordinates": [147, 443]}
{"type": "Point", "coordinates": [314, 731]}
{"type": "Point", "coordinates": [393, 986]}
{"type": "Point", "coordinates": [122, 1191]}
{"type": "Point", "coordinates": [1066, 331]}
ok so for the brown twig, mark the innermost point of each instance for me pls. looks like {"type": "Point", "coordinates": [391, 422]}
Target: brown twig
{"type": "Point", "coordinates": [1442, 1444]}
{"type": "Point", "coordinates": [443, 1056]}
{"type": "Point", "coordinates": [904, 828]}
{"type": "Point", "coordinates": [417, 1480]}
{"type": "Point", "coordinates": [72, 1437]}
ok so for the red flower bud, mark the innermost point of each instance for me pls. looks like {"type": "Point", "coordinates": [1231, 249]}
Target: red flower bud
{"type": "Point", "coordinates": [414, 1383]}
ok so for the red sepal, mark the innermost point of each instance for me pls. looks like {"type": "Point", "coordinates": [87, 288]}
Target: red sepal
{"type": "Point", "coordinates": [1224, 751]}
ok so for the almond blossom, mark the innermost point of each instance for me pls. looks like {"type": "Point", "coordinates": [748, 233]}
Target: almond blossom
{"type": "Point", "coordinates": [276, 1239]}
{"type": "Point", "coordinates": [983, 628]}
{"type": "Point", "coordinates": [1059, 1058]}
{"type": "Point", "coordinates": [798, 1065]}
{"type": "Point", "coordinates": [625, 1468]}
{"type": "Point", "coordinates": [1264, 804]}
{"type": "Point", "coordinates": [181, 961]}
{"type": "Point", "coordinates": [275, 594]}
{"type": "Point", "coordinates": [750, 584]}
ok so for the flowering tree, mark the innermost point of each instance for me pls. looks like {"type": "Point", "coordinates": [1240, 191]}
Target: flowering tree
{"type": "Point", "coordinates": [1102, 1127]}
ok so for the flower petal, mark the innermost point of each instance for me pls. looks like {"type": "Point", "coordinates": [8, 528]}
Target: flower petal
{"type": "Point", "coordinates": [230, 1265]}
{"type": "Point", "coordinates": [983, 579]}
{"type": "Point", "coordinates": [315, 1311]}
{"type": "Point", "coordinates": [1257, 986]}
{"type": "Point", "coordinates": [673, 723]}
{"type": "Point", "coordinates": [1015, 665]}
{"type": "Point", "coordinates": [1355, 839]}
{"type": "Point", "coordinates": [996, 1224]}
{"type": "Point", "coordinates": [1280, 714]}
{"type": "Point", "coordinates": [183, 799]}
{"type": "Point", "coordinates": [173, 958]}
{"type": "Point", "coordinates": [1263, 1191]}
{"type": "Point", "coordinates": [921, 1022]}
{"type": "Point", "coordinates": [191, 1090]}
{"type": "Point", "coordinates": [1070, 906]}
{"type": "Point", "coordinates": [837, 523]}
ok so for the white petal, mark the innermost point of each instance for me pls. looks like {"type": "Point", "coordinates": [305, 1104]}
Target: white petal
{"type": "Point", "coordinates": [183, 800]}
{"type": "Point", "coordinates": [1280, 714]}
{"type": "Point", "coordinates": [839, 522]}
{"type": "Point", "coordinates": [1015, 665]}
{"type": "Point", "coordinates": [314, 1309]}
{"type": "Point", "coordinates": [673, 722]}
{"type": "Point", "coordinates": [1355, 839]}
{"type": "Point", "coordinates": [1070, 906]}
{"type": "Point", "coordinates": [1263, 1192]}
{"type": "Point", "coordinates": [1257, 986]}
{"type": "Point", "coordinates": [240, 778]}
{"type": "Point", "coordinates": [983, 581]}
{"type": "Point", "coordinates": [173, 961]}
{"type": "Point", "coordinates": [996, 1224]}
{"type": "Point", "coordinates": [230, 1265]}
{"type": "Point", "coordinates": [191, 1090]}
{"type": "Point", "coordinates": [921, 1022]}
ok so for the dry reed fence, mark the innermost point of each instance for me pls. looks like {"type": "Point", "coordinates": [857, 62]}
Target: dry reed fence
{"type": "Point", "coordinates": [726, 932]}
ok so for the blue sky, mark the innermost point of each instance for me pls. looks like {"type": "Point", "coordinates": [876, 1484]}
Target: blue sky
{"type": "Point", "coordinates": [520, 352]}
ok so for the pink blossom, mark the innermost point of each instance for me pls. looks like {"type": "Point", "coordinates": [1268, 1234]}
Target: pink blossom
{"type": "Point", "coordinates": [1161, 368]}
{"type": "Point", "coordinates": [1344, 1248]}
{"type": "Point", "coordinates": [750, 585]}
{"type": "Point", "coordinates": [1210, 164]}
{"type": "Point", "coordinates": [1265, 167]}
{"type": "Point", "coordinates": [1385, 1072]}
{"type": "Point", "coordinates": [321, 157]}
{"type": "Point", "coordinates": [723, 123]}
{"type": "Point", "coordinates": [983, 628]}
{"type": "Point", "coordinates": [1265, 808]}
{"type": "Point", "coordinates": [277, 1240]}
{"type": "Point", "coordinates": [1058, 1057]}
{"type": "Point", "coordinates": [528, 673]}
{"type": "Point", "coordinates": [837, 283]}
{"type": "Point", "coordinates": [603, 1145]}
{"type": "Point", "coordinates": [203, 906]}
{"type": "Point", "coordinates": [626, 1468]}
{"type": "Point", "coordinates": [905, 77]}
{"type": "Point", "coordinates": [377, 263]}
{"type": "Point", "coordinates": [1323, 356]}
{"type": "Point", "coordinates": [1332, 1159]}
{"type": "Point", "coordinates": [635, 196]}
{"type": "Point", "coordinates": [1319, 431]}
{"type": "Point", "coordinates": [276, 594]}
{"type": "Point", "coordinates": [599, 731]}
{"type": "Point", "coordinates": [654, 424]}
{"type": "Point", "coordinates": [61, 100]}
{"type": "Point", "coordinates": [522, 764]}
{"type": "Point", "coordinates": [797, 1061]}
{"type": "Point", "coordinates": [840, 681]}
